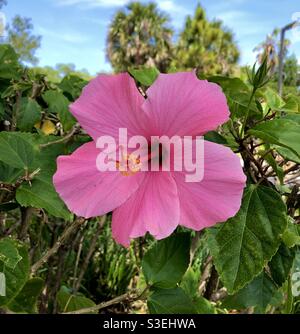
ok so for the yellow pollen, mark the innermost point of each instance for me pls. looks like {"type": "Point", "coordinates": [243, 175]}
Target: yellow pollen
{"type": "Point", "coordinates": [129, 165]}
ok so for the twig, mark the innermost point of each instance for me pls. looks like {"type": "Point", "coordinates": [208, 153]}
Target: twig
{"type": "Point", "coordinates": [59, 275]}
{"type": "Point", "coordinates": [61, 240]}
{"type": "Point", "coordinates": [26, 214]}
{"type": "Point", "coordinates": [205, 275]}
{"type": "Point", "coordinates": [66, 138]}
{"type": "Point", "coordinates": [126, 297]}
{"type": "Point", "coordinates": [16, 111]}
{"type": "Point", "coordinates": [77, 260]}
{"type": "Point", "coordinates": [90, 252]}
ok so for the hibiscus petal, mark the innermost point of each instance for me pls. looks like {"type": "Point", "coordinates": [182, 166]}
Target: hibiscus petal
{"type": "Point", "coordinates": [218, 196]}
{"type": "Point", "coordinates": [88, 192]}
{"type": "Point", "coordinates": [181, 104]}
{"type": "Point", "coordinates": [107, 103]}
{"type": "Point", "coordinates": [153, 208]}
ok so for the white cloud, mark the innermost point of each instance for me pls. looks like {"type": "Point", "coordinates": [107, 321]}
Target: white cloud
{"type": "Point", "coordinates": [91, 3]}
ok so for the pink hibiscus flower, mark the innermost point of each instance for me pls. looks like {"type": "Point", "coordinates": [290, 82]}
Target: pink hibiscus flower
{"type": "Point", "coordinates": [154, 202]}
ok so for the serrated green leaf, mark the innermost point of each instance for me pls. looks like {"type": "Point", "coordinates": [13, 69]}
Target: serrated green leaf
{"type": "Point", "coordinates": [26, 300]}
{"type": "Point", "coordinates": [190, 285]}
{"type": "Point", "coordinates": [170, 301]}
{"type": "Point", "coordinates": [9, 65]}
{"type": "Point", "coordinates": [287, 154]}
{"type": "Point", "coordinates": [15, 278]}
{"type": "Point", "coordinates": [242, 246]}
{"type": "Point", "coordinates": [273, 100]}
{"type": "Point", "coordinates": [291, 105]}
{"type": "Point", "coordinates": [258, 294]}
{"type": "Point", "coordinates": [72, 85]}
{"type": "Point", "coordinates": [166, 262]}
{"type": "Point", "coordinates": [238, 96]}
{"type": "Point", "coordinates": [9, 254]}
{"type": "Point", "coordinates": [41, 194]}
{"type": "Point", "coordinates": [59, 104]}
{"type": "Point", "coordinates": [9, 174]}
{"type": "Point", "coordinates": [28, 114]}
{"type": "Point", "coordinates": [280, 132]}
{"type": "Point", "coordinates": [16, 150]}
{"type": "Point", "coordinates": [291, 235]}
{"type": "Point", "coordinates": [281, 264]}
{"type": "Point", "coordinates": [68, 302]}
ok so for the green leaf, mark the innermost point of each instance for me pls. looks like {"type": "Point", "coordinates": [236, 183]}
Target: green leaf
{"type": "Point", "coordinates": [190, 282]}
{"type": "Point", "coordinates": [9, 206]}
{"type": "Point", "coordinates": [29, 114]}
{"type": "Point", "coordinates": [190, 285]}
{"type": "Point", "coordinates": [258, 293]}
{"type": "Point", "coordinates": [170, 301]}
{"type": "Point", "coordinates": [242, 246]}
{"type": "Point", "coordinates": [9, 174]}
{"type": "Point", "coordinates": [59, 104]}
{"type": "Point", "coordinates": [238, 95]}
{"type": "Point", "coordinates": [280, 132]}
{"type": "Point", "coordinates": [9, 65]}
{"type": "Point", "coordinates": [26, 300]}
{"type": "Point", "coordinates": [215, 137]}
{"type": "Point", "coordinates": [41, 194]}
{"type": "Point", "coordinates": [68, 302]}
{"type": "Point", "coordinates": [166, 262]}
{"type": "Point", "coordinates": [287, 154]}
{"type": "Point", "coordinates": [281, 264]}
{"type": "Point", "coordinates": [72, 85]}
{"type": "Point", "coordinates": [16, 150]}
{"type": "Point", "coordinates": [9, 254]}
{"type": "Point", "coordinates": [273, 100]}
{"type": "Point", "coordinates": [291, 105]}
{"type": "Point", "coordinates": [17, 277]}
{"type": "Point", "coordinates": [291, 235]}
{"type": "Point", "coordinates": [293, 117]}
{"type": "Point", "coordinates": [145, 76]}
{"type": "Point", "coordinates": [203, 306]}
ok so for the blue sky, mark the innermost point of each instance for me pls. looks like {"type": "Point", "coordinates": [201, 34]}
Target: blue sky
{"type": "Point", "coordinates": [74, 31]}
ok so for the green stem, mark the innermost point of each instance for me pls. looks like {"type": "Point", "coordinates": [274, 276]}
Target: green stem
{"type": "Point", "coordinates": [247, 113]}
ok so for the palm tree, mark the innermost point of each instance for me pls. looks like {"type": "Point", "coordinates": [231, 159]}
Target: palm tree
{"type": "Point", "coordinates": [139, 35]}
{"type": "Point", "coordinates": [206, 45]}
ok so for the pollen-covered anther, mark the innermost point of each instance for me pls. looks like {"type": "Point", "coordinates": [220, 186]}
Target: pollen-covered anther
{"type": "Point", "coordinates": [129, 165]}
